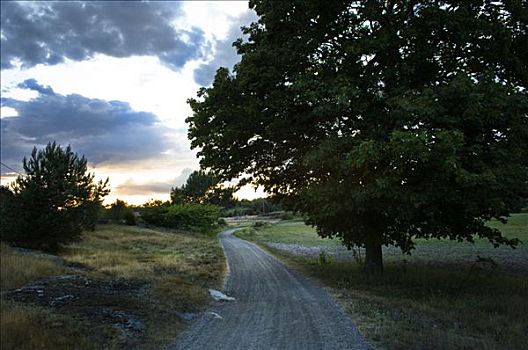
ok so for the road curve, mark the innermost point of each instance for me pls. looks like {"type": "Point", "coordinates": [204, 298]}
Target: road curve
{"type": "Point", "coordinates": [275, 308]}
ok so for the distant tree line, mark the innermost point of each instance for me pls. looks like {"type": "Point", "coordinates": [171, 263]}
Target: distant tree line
{"type": "Point", "coordinates": [118, 212]}
{"type": "Point", "coordinates": [58, 198]}
{"type": "Point", "coordinates": [204, 187]}
{"type": "Point", "coordinates": [259, 206]}
{"type": "Point", "coordinates": [200, 202]}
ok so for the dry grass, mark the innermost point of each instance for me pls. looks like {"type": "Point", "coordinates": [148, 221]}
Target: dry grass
{"type": "Point", "coordinates": [432, 307]}
{"type": "Point", "coordinates": [179, 265]}
{"type": "Point", "coordinates": [173, 269]}
{"type": "Point", "coordinates": [17, 269]}
{"type": "Point", "coordinates": [25, 327]}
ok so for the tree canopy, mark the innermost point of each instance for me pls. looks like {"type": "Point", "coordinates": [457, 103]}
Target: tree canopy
{"type": "Point", "coordinates": [381, 121]}
{"type": "Point", "coordinates": [203, 187]}
{"type": "Point", "coordinates": [53, 201]}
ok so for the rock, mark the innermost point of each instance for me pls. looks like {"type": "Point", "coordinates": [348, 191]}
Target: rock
{"type": "Point", "coordinates": [219, 296]}
{"type": "Point", "coordinates": [59, 301]}
{"type": "Point", "coordinates": [215, 315]}
{"type": "Point", "coordinates": [126, 323]}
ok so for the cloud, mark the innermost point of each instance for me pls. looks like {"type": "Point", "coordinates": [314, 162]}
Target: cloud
{"type": "Point", "coordinates": [104, 131]}
{"type": "Point", "coordinates": [131, 187]}
{"type": "Point", "coordinates": [50, 32]}
{"type": "Point", "coordinates": [225, 54]}
{"type": "Point", "coordinates": [32, 84]}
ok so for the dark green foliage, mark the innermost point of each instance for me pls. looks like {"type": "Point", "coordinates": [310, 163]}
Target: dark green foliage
{"type": "Point", "coordinates": [238, 211]}
{"type": "Point", "coordinates": [260, 224]}
{"type": "Point", "coordinates": [120, 212]}
{"type": "Point", "coordinates": [261, 206]}
{"type": "Point", "coordinates": [7, 197]}
{"type": "Point", "coordinates": [286, 216]}
{"type": "Point", "coordinates": [118, 209]}
{"type": "Point", "coordinates": [177, 195]}
{"type": "Point", "coordinates": [203, 187]}
{"type": "Point", "coordinates": [257, 206]}
{"type": "Point", "coordinates": [181, 216]}
{"type": "Point", "coordinates": [54, 201]}
{"type": "Point", "coordinates": [379, 121]}
{"type": "Point", "coordinates": [130, 218]}
{"type": "Point", "coordinates": [7, 209]}
{"type": "Point", "coordinates": [197, 186]}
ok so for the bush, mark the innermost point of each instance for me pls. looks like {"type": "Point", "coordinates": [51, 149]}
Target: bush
{"type": "Point", "coordinates": [325, 259]}
{"type": "Point", "coordinates": [286, 216]}
{"type": "Point", "coordinates": [188, 215]}
{"type": "Point", "coordinates": [130, 218]}
{"type": "Point", "coordinates": [118, 212]}
{"type": "Point", "coordinates": [260, 224]}
{"type": "Point", "coordinates": [239, 211]}
{"type": "Point", "coordinates": [153, 213]}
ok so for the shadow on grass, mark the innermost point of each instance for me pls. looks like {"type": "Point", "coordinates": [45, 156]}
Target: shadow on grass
{"type": "Point", "coordinates": [448, 296]}
{"type": "Point", "coordinates": [428, 307]}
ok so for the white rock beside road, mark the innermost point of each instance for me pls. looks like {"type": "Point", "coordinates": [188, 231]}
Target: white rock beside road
{"type": "Point", "coordinates": [219, 296]}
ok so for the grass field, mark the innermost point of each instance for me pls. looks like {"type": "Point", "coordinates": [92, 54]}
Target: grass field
{"type": "Point", "coordinates": [441, 297]}
{"type": "Point", "coordinates": [133, 275]}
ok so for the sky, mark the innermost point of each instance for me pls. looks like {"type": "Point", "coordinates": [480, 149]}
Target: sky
{"type": "Point", "coordinates": [112, 80]}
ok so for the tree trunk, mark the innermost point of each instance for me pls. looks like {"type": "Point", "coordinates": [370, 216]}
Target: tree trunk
{"type": "Point", "coordinates": [373, 257]}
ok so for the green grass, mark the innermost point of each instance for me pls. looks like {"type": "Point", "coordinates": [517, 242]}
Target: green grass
{"type": "Point", "coordinates": [517, 227]}
{"type": "Point", "coordinates": [292, 232]}
{"type": "Point", "coordinates": [439, 298]}
{"type": "Point", "coordinates": [176, 268]}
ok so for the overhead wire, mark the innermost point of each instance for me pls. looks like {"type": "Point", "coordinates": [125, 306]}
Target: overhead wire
{"type": "Point", "coordinates": [8, 167]}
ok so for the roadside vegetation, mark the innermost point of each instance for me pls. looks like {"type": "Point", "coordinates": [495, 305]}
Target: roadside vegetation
{"type": "Point", "coordinates": [119, 287]}
{"type": "Point", "coordinates": [446, 295]}
{"type": "Point", "coordinates": [131, 282]}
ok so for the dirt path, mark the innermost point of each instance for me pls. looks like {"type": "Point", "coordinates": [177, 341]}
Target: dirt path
{"type": "Point", "coordinates": [275, 308]}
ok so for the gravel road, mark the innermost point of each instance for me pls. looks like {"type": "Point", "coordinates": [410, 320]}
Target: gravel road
{"type": "Point", "coordinates": [275, 308]}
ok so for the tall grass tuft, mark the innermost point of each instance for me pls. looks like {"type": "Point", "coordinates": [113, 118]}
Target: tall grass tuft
{"type": "Point", "coordinates": [18, 269]}
{"type": "Point", "coordinates": [25, 327]}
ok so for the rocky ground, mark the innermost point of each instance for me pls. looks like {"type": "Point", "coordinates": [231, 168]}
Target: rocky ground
{"type": "Point", "coordinates": [100, 301]}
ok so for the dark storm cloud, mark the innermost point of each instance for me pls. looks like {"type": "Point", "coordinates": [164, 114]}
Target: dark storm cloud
{"type": "Point", "coordinates": [105, 131]}
{"type": "Point", "coordinates": [225, 55]}
{"type": "Point", "coordinates": [49, 32]}
{"type": "Point", "coordinates": [130, 187]}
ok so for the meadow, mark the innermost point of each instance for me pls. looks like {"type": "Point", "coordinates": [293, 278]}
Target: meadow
{"type": "Point", "coordinates": [119, 287]}
{"type": "Point", "coordinates": [446, 295]}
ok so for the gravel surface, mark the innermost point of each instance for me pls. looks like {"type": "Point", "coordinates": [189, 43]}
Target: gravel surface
{"type": "Point", "coordinates": [274, 308]}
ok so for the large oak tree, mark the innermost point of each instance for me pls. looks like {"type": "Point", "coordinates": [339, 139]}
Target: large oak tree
{"type": "Point", "coordinates": [381, 121]}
